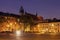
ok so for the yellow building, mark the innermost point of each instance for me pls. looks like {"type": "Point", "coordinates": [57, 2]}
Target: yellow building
{"type": "Point", "coordinates": [47, 27]}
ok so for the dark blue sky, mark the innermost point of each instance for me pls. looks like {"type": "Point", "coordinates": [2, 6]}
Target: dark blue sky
{"type": "Point", "coordinates": [45, 8]}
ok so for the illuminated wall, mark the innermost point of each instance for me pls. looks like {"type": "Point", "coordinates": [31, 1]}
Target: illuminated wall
{"type": "Point", "coordinates": [10, 24]}
{"type": "Point", "coordinates": [52, 27]}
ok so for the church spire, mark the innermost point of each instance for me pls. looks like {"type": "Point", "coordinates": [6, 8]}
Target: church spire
{"type": "Point", "coordinates": [21, 11]}
{"type": "Point", "coordinates": [36, 13]}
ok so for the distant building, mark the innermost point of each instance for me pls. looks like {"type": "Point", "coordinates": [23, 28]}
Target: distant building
{"type": "Point", "coordinates": [28, 22]}
{"type": "Point", "coordinates": [13, 22]}
{"type": "Point", "coordinates": [35, 18]}
{"type": "Point", "coordinates": [48, 28]}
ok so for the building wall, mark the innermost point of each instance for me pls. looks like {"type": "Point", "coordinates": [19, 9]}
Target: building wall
{"type": "Point", "coordinates": [52, 27]}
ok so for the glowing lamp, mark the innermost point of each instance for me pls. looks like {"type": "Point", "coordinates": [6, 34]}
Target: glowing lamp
{"type": "Point", "coordinates": [18, 33]}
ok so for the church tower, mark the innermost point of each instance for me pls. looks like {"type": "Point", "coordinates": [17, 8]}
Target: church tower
{"type": "Point", "coordinates": [21, 11]}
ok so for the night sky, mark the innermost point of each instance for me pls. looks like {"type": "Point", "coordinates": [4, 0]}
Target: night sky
{"type": "Point", "coordinates": [45, 8]}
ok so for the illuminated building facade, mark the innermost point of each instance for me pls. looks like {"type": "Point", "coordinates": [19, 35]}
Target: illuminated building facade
{"type": "Point", "coordinates": [12, 22]}
{"type": "Point", "coordinates": [28, 23]}
{"type": "Point", "coordinates": [47, 28]}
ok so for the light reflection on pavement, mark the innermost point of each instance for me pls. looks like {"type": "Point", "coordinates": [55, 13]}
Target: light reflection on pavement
{"type": "Point", "coordinates": [30, 37]}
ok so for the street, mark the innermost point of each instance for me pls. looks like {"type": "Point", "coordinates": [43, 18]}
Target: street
{"type": "Point", "coordinates": [30, 37]}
